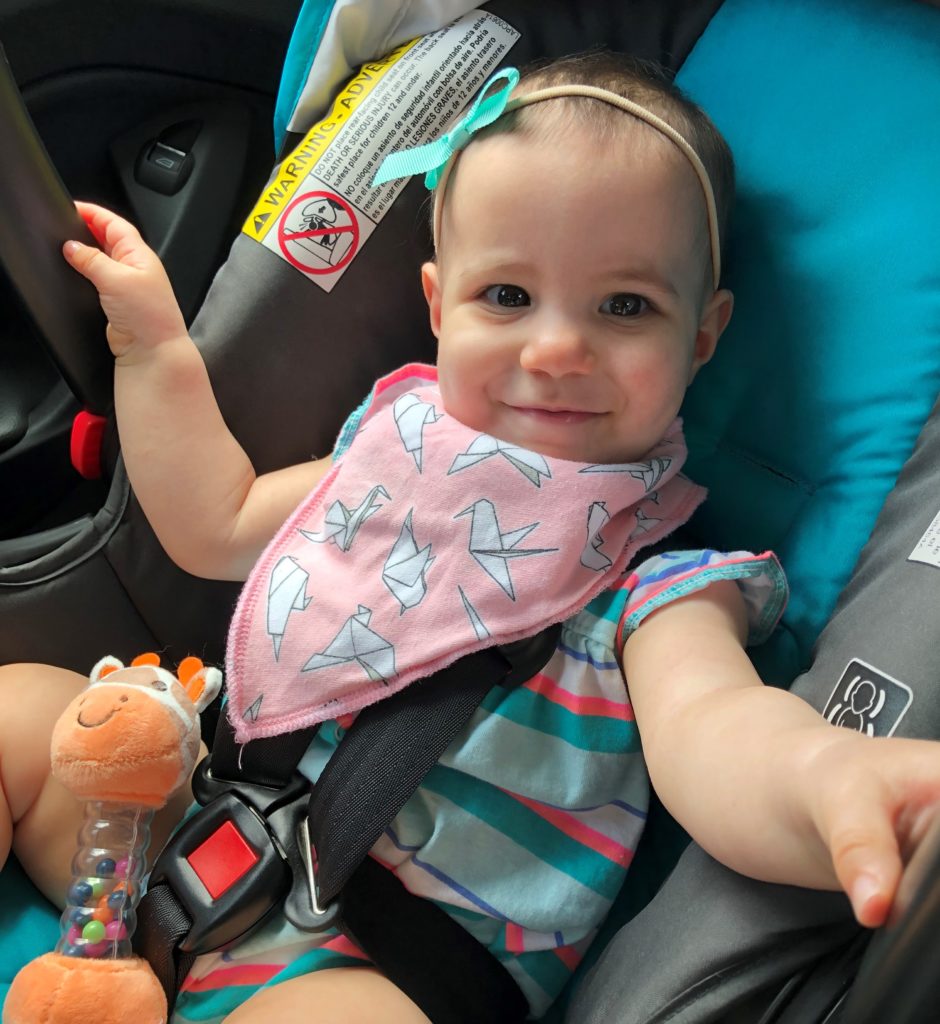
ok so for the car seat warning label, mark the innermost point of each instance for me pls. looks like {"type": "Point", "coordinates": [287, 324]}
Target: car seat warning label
{"type": "Point", "coordinates": [320, 208]}
{"type": "Point", "coordinates": [318, 233]}
{"type": "Point", "coordinates": [927, 549]}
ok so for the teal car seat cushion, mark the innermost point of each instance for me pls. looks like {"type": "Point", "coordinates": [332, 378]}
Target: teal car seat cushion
{"type": "Point", "coordinates": [831, 363]}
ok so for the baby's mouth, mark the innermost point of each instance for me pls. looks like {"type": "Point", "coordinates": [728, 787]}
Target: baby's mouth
{"type": "Point", "coordinates": [556, 415]}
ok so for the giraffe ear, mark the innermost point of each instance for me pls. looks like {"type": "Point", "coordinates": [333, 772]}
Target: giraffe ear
{"type": "Point", "coordinates": [200, 682]}
{"type": "Point", "coordinates": [104, 668]}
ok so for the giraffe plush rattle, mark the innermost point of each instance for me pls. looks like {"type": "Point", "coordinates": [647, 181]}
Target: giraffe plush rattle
{"type": "Point", "coordinates": [123, 746]}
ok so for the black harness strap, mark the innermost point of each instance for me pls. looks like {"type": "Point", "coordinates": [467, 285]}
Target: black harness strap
{"type": "Point", "coordinates": [384, 757]}
{"type": "Point", "coordinates": [373, 772]}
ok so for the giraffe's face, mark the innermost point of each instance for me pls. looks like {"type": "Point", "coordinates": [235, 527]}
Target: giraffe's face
{"type": "Point", "coordinates": [132, 735]}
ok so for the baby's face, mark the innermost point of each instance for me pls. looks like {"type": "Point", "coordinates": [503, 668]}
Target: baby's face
{"type": "Point", "coordinates": [569, 299]}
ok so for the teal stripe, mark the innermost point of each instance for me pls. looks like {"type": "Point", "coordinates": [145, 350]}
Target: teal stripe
{"type": "Point", "coordinates": [211, 1006]}
{"type": "Point", "coordinates": [527, 829]}
{"type": "Point", "coordinates": [470, 916]}
{"type": "Point", "coordinates": [586, 732]}
{"type": "Point", "coordinates": [767, 616]}
{"type": "Point", "coordinates": [216, 1004]}
{"type": "Point", "coordinates": [315, 960]}
{"type": "Point", "coordinates": [546, 969]}
{"type": "Point", "coordinates": [608, 606]}
{"type": "Point", "coordinates": [348, 430]}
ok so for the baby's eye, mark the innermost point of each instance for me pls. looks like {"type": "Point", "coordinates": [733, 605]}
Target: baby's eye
{"type": "Point", "coordinates": [624, 304]}
{"type": "Point", "coordinates": [158, 684]}
{"type": "Point", "coordinates": [509, 295]}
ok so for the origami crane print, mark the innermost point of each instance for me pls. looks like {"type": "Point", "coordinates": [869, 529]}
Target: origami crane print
{"type": "Point", "coordinates": [405, 567]}
{"type": "Point", "coordinates": [482, 633]}
{"type": "Point", "coordinates": [491, 548]}
{"type": "Point", "coordinates": [342, 524]}
{"type": "Point", "coordinates": [411, 415]}
{"type": "Point", "coordinates": [286, 594]}
{"type": "Point", "coordinates": [530, 464]}
{"type": "Point", "coordinates": [251, 714]}
{"type": "Point", "coordinates": [649, 472]}
{"type": "Point", "coordinates": [644, 524]}
{"type": "Point", "coordinates": [356, 642]}
{"type": "Point", "coordinates": [592, 557]}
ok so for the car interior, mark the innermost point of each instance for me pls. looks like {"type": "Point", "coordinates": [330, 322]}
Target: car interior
{"type": "Point", "coordinates": [187, 116]}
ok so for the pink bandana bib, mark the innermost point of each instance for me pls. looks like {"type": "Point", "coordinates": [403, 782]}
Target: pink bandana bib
{"type": "Point", "coordinates": [428, 540]}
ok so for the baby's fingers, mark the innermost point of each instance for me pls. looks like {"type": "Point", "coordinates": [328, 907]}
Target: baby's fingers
{"type": "Point", "coordinates": [92, 263]}
{"type": "Point", "coordinates": [117, 237]}
{"type": "Point", "coordinates": [866, 859]}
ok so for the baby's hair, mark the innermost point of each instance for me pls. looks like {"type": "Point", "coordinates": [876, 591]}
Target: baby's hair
{"type": "Point", "coordinates": [645, 83]}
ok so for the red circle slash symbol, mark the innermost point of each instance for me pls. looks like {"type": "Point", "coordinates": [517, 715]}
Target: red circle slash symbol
{"type": "Point", "coordinates": [319, 233]}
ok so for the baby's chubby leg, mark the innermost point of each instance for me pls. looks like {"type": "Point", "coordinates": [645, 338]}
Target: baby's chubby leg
{"type": "Point", "coordinates": [351, 995]}
{"type": "Point", "coordinates": [39, 818]}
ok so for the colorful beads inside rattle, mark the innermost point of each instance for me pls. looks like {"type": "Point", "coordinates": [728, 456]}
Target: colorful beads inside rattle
{"type": "Point", "coordinates": [97, 911]}
{"type": "Point", "coordinates": [100, 913]}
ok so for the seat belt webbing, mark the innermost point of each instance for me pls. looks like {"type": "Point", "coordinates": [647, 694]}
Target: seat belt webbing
{"type": "Point", "coordinates": [375, 769]}
{"type": "Point", "coordinates": [381, 761]}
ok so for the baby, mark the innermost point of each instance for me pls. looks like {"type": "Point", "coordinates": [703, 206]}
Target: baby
{"type": "Point", "coordinates": [574, 295]}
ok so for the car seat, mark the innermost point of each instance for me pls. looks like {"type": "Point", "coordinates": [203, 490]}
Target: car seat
{"type": "Point", "coordinates": [799, 427]}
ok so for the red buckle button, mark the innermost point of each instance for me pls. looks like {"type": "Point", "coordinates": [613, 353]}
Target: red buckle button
{"type": "Point", "coordinates": [85, 444]}
{"type": "Point", "coordinates": [222, 859]}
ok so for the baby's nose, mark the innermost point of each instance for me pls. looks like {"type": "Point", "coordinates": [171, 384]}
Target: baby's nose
{"type": "Point", "coordinates": [558, 346]}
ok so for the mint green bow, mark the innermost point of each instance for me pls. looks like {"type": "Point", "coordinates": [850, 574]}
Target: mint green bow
{"type": "Point", "coordinates": [433, 156]}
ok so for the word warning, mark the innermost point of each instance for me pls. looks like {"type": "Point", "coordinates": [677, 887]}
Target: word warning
{"type": "Point", "coordinates": [320, 207]}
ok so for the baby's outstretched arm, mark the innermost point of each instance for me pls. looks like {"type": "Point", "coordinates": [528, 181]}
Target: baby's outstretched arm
{"type": "Point", "coordinates": [757, 776]}
{"type": "Point", "coordinates": [194, 481]}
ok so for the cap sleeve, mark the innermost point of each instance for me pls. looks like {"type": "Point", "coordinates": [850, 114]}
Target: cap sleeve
{"type": "Point", "coordinates": [674, 574]}
{"type": "Point", "coordinates": [350, 428]}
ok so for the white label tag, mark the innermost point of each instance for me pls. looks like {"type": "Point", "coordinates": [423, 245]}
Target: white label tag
{"type": "Point", "coordinates": [320, 207]}
{"type": "Point", "coordinates": [927, 549]}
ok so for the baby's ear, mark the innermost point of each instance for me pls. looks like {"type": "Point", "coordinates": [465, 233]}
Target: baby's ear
{"type": "Point", "coordinates": [714, 320]}
{"type": "Point", "coordinates": [431, 284]}
{"type": "Point", "coordinates": [104, 668]}
{"type": "Point", "coordinates": [201, 682]}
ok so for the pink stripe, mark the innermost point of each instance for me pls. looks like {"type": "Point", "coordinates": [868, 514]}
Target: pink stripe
{"type": "Point", "coordinates": [672, 581]}
{"type": "Point", "coordinates": [341, 944]}
{"type": "Point", "coordinates": [569, 956]}
{"type": "Point", "coordinates": [515, 938]}
{"type": "Point", "coordinates": [600, 706]}
{"type": "Point", "coordinates": [260, 974]}
{"type": "Point", "coordinates": [246, 974]}
{"type": "Point", "coordinates": [566, 822]}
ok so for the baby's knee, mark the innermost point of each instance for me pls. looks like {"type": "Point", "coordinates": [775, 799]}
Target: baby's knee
{"type": "Point", "coordinates": [31, 699]}
{"type": "Point", "coordinates": [33, 696]}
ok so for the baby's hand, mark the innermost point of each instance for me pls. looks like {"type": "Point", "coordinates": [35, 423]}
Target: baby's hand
{"type": "Point", "coordinates": [135, 293]}
{"type": "Point", "coordinates": [873, 802]}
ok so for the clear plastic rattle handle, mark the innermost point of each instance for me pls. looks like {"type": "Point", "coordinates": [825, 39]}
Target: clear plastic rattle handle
{"type": "Point", "coordinates": [100, 913]}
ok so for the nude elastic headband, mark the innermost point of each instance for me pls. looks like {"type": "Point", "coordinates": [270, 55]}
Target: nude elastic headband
{"type": "Point", "coordinates": [436, 159]}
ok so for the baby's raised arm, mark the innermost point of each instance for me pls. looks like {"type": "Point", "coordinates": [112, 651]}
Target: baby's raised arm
{"type": "Point", "coordinates": [197, 486]}
{"type": "Point", "coordinates": [757, 776]}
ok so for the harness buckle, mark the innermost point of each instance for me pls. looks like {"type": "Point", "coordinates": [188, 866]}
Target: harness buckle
{"type": "Point", "coordinates": [243, 854]}
{"type": "Point", "coordinates": [227, 870]}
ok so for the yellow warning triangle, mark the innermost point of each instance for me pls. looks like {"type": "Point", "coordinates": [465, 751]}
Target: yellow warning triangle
{"type": "Point", "coordinates": [260, 219]}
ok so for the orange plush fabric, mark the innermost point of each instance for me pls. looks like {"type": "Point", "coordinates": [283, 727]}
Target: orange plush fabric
{"type": "Point", "coordinates": [131, 737]}
{"type": "Point", "coordinates": [58, 989]}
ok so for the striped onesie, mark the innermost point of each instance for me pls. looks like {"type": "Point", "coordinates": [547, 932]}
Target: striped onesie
{"type": "Point", "coordinates": [525, 829]}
